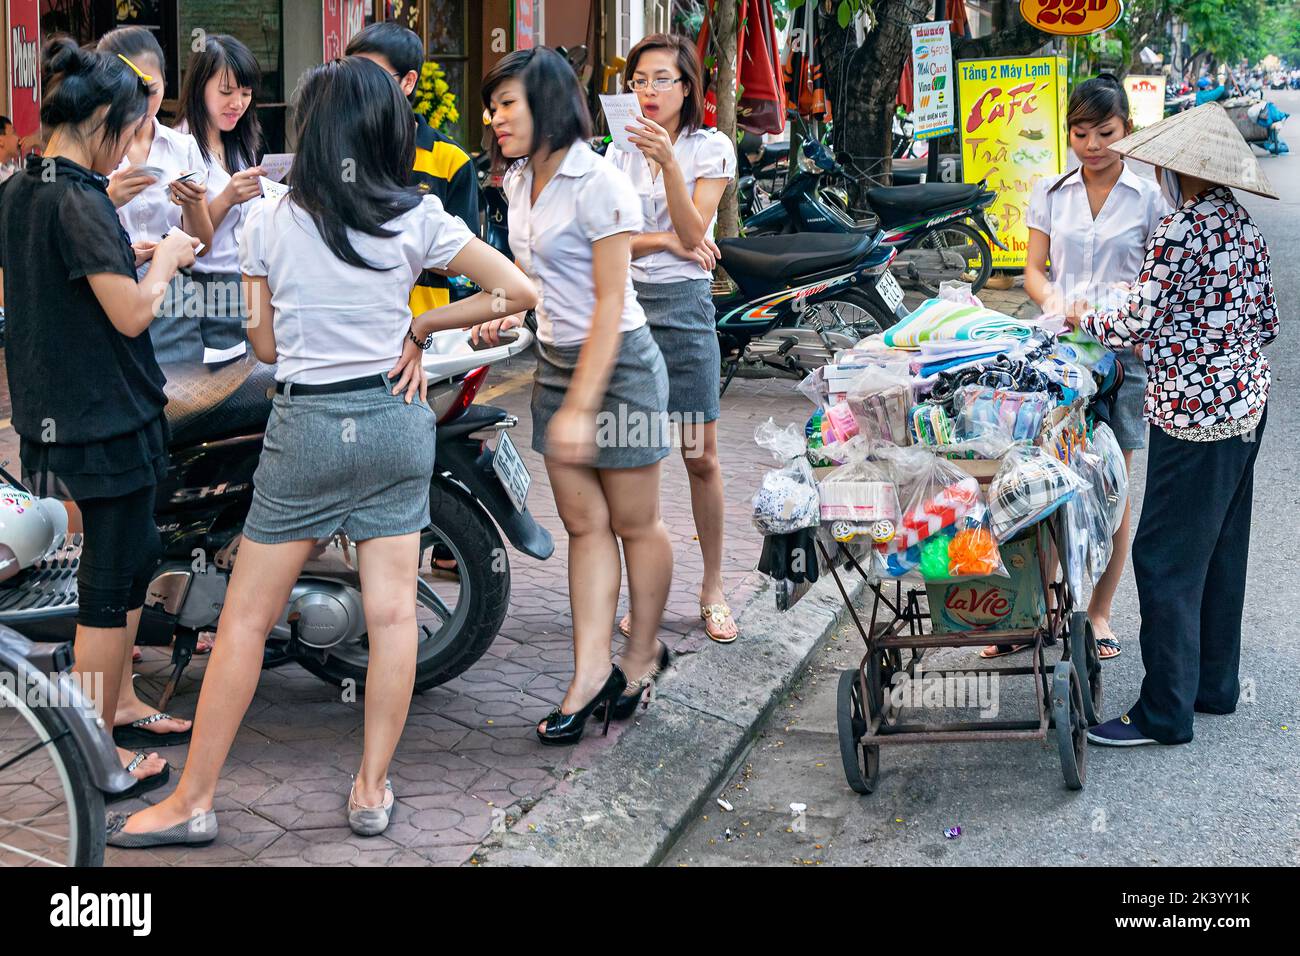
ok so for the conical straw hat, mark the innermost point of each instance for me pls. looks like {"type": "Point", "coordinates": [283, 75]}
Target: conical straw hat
{"type": "Point", "coordinates": [1200, 142]}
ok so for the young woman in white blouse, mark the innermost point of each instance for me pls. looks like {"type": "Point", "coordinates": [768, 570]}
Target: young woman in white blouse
{"type": "Point", "coordinates": [350, 443]}
{"type": "Point", "coordinates": [1088, 231]}
{"type": "Point", "coordinates": [599, 404]}
{"type": "Point", "coordinates": [217, 110]}
{"type": "Point", "coordinates": [680, 170]}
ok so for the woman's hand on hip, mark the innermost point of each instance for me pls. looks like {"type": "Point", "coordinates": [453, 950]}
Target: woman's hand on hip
{"type": "Point", "coordinates": [706, 254]}
{"type": "Point", "coordinates": [571, 437]}
{"type": "Point", "coordinates": [409, 372]}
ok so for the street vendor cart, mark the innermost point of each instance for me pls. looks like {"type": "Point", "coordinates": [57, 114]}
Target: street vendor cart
{"type": "Point", "coordinates": [916, 607]}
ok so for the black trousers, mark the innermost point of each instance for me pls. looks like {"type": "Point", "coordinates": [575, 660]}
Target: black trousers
{"type": "Point", "coordinates": [119, 553]}
{"type": "Point", "coordinates": [1189, 559]}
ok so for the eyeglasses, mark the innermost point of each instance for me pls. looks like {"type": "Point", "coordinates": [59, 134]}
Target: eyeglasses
{"type": "Point", "coordinates": [661, 84]}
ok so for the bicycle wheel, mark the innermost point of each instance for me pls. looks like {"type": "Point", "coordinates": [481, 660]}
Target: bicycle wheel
{"type": "Point", "coordinates": [953, 251]}
{"type": "Point", "coordinates": [51, 812]}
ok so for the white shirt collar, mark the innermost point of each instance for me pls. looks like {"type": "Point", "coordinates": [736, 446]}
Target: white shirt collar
{"type": "Point", "coordinates": [1075, 178]}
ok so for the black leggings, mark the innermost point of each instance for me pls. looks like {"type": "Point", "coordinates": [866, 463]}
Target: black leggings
{"type": "Point", "coordinates": [119, 552]}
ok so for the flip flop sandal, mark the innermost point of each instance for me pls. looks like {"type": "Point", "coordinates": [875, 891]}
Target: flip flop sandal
{"type": "Point", "coordinates": [141, 787]}
{"type": "Point", "coordinates": [136, 655]}
{"type": "Point", "coordinates": [1002, 650]}
{"type": "Point", "coordinates": [1110, 644]}
{"type": "Point", "coordinates": [625, 625]}
{"type": "Point", "coordinates": [717, 615]}
{"type": "Point", "coordinates": [205, 642]}
{"type": "Point", "coordinates": [444, 574]}
{"type": "Point", "coordinates": [134, 734]}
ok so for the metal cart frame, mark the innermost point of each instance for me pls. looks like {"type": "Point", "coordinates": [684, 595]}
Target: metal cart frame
{"type": "Point", "coordinates": [867, 721]}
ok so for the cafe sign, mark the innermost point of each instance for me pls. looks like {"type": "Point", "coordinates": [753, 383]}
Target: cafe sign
{"type": "Point", "coordinates": [1072, 18]}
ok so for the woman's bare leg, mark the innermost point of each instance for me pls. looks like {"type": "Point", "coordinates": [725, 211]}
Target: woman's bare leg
{"type": "Point", "coordinates": [388, 568]}
{"type": "Point", "coordinates": [260, 585]}
{"type": "Point", "coordinates": [632, 496]}
{"type": "Point", "coordinates": [595, 573]}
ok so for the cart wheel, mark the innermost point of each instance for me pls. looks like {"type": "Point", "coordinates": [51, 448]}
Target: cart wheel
{"type": "Point", "coordinates": [1087, 660]}
{"type": "Point", "coordinates": [1071, 728]}
{"type": "Point", "coordinates": [861, 764]}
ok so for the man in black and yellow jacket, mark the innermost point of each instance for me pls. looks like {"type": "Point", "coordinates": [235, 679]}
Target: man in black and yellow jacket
{"type": "Point", "coordinates": [441, 166]}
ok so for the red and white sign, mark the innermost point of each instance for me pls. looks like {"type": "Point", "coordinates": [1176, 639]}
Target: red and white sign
{"type": "Point", "coordinates": [23, 41]}
{"type": "Point", "coordinates": [341, 20]}
{"type": "Point", "coordinates": [525, 27]}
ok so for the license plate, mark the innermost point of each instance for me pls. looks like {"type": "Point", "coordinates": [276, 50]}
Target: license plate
{"type": "Point", "coordinates": [512, 471]}
{"type": "Point", "coordinates": [890, 291]}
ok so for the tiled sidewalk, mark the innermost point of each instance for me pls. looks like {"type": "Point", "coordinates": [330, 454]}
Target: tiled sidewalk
{"type": "Point", "coordinates": [469, 749]}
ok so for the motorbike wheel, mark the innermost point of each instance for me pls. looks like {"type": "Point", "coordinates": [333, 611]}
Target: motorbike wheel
{"type": "Point", "coordinates": [853, 311]}
{"type": "Point", "coordinates": [947, 252]}
{"type": "Point", "coordinates": [51, 812]}
{"type": "Point", "coordinates": [451, 638]}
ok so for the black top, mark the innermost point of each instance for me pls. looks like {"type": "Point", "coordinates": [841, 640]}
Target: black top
{"type": "Point", "coordinates": [68, 367]}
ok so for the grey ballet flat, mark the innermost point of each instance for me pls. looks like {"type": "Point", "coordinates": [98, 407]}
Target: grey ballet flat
{"type": "Point", "coordinates": [198, 830]}
{"type": "Point", "coordinates": [370, 821]}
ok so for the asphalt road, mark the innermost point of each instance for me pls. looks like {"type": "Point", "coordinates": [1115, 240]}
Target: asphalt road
{"type": "Point", "coordinates": [1230, 797]}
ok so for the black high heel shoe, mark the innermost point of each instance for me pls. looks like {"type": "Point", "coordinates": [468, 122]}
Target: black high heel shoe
{"type": "Point", "coordinates": [627, 701]}
{"type": "Point", "coordinates": [563, 729]}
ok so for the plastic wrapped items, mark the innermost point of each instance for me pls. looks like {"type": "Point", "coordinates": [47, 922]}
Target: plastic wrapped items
{"type": "Point", "coordinates": [1087, 541]}
{"type": "Point", "coordinates": [1114, 473]}
{"type": "Point", "coordinates": [982, 409]}
{"type": "Point", "coordinates": [787, 499]}
{"type": "Point", "coordinates": [859, 499]}
{"type": "Point", "coordinates": [1076, 382]}
{"type": "Point", "coordinates": [945, 517]}
{"type": "Point", "coordinates": [931, 425]}
{"type": "Point", "coordinates": [1030, 484]}
{"type": "Point", "coordinates": [879, 399]}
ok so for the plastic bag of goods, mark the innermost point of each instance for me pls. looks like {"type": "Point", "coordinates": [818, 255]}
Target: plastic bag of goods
{"type": "Point", "coordinates": [787, 498]}
{"type": "Point", "coordinates": [879, 400]}
{"type": "Point", "coordinates": [983, 408]}
{"type": "Point", "coordinates": [1114, 472]}
{"type": "Point", "coordinates": [944, 530]}
{"type": "Point", "coordinates": [1029, 485]}
{"type": "Point", "coordinates": [859, 500]}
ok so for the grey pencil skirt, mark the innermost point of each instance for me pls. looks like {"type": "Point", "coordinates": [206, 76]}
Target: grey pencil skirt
{"type": "Point", "coordinates": [356, 462]}
{"type": "Point", "coordinates": [632, 426]}
{"type": "Point", "coordinates": [201, 311]}
{"type": "Point", "coordinates": [681, 319]}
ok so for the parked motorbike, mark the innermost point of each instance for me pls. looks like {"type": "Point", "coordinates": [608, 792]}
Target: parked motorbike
{"type": "Point", "coordinates": [792, 302]}
{"type": "Point", "coordinates": [941, 231]}
{"type": "Point", "coordinates": [217, 418]}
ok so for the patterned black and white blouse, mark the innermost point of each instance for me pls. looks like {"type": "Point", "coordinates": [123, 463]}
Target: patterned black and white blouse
{"type": "Point", "coordinates": [1203, 305]}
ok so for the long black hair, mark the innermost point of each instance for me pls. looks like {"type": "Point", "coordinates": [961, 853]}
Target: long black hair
{"type": "Point", "coordinates": [555, 100]}
{"type": "Point", "coordinates": [78, 82]}
{"type": "Point", "coordinates": [1097, 100]}
{"type": "Point", "coordinates": [356, 147]}
{"type": "Point", "coordinates": [221, 52]}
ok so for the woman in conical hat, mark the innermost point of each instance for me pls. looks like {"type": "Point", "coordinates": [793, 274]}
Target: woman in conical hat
{"type": "Point", "coordinates": [1203, 308]}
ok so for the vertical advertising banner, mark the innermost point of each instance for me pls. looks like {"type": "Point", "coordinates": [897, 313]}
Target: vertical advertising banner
{"type": "Point", "coordinates": [341, 20]}
{"type": "Point", "coordinates": [1146, 99]}
{"type": "Point", "coordinates": [24, 50]}
{"type": "Point", "coordinates": [1012, 123]}
{"type": "Point", "coordinates": [525, 26]}
{"type": "Point", "coordinates": [932, 83]}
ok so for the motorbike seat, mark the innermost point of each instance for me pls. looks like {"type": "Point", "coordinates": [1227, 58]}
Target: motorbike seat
{"type": "Point", "coordinates": [897, 203]}
{"type": "Point", "coordinates": [783, 259]}
{"type": "Point", "coordinates": [206, 403]}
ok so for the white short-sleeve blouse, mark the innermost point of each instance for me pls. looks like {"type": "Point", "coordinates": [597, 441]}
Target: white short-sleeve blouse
{"type": "Point", "coordinates": [334, 321]}
{"type": "Point", "coordinates": [587, 200]}
{"type": "Point", "coordinates": [702, 154]}
{"type": "Point", "coordinates": [151, 212]}
{"type": "Point", "coordinates": [1086, 255]}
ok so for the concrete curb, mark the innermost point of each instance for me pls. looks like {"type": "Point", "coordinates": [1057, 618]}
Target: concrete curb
{"type": "Point", "coordinates": [632, 805]}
